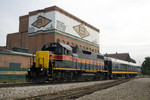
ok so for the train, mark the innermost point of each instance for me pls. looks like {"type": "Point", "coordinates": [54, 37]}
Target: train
{"type": "Point", "coordinates": [58, 62]}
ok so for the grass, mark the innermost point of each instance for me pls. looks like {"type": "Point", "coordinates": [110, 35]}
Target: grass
{"type": "Point", "coordinates": [143, 76]}
{"type": "Point", "coordinates": [11, 81]}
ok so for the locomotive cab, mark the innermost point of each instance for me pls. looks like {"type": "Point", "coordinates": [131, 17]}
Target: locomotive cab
{"type": "Point", "coordinates": [57, 48]}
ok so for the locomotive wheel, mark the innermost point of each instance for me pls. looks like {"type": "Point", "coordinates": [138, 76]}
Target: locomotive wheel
{"type": "Point", "coordinates": [57, 77]}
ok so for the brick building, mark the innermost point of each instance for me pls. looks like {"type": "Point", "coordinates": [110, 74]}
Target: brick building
{"type": "Point", "coordinates": [2, 47]}
{"type": "Point", "coordinates": [13, 65]}
{"type": "Point", "coordinates": [53, 24]}
{"type": "Point", "coordinates": [121, 56]}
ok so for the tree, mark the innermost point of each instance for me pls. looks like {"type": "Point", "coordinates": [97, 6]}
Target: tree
{"type": "Point", "coordinates": [146, 66]}
{"type": "Point", "coordinates": [132, 60]}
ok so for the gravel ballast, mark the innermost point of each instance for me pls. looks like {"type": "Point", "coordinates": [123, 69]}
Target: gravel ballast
{"type": "Point", "coordinates": [137, 89]}
{"type": "Point", "coordinates": [30, 91]}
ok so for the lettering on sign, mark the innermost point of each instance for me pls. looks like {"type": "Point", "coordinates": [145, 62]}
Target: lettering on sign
{"type": "Point", "coordinates": [61, 26]}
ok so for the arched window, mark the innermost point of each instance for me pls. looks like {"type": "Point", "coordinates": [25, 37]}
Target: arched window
{"type": "Point", "coordinates": [86, 48]}
{"type": "Point", "coordinates": [68, 43]}
{"type": "Point", "coordinates": [73, 44]}
{"type": "Point", "coordinates": [90, 49]}
{"type": "Point", "coordinates": [58, 41]}
{"type": "Point", "coordinates": [76, 45]}
{"type": "Point", "coordinates": [63, 41]}
{"type": "Point", "coordinates": [83, 47]}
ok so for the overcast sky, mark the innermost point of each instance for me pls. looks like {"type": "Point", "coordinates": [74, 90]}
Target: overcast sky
{"type": "Point", "coordinates": [124, 24]}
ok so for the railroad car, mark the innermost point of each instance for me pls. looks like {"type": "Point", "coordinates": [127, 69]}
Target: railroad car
{"type": "Point", "coordinates": [119, 68]}
{"type": "Point", "coordinates": [59, 62]}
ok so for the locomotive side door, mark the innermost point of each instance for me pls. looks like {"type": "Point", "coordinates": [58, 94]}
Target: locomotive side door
{"type": "Point", "coordinates": [51, 65]}
{"type": "Point", "coordinates": [108, 67]}
{"type": "Point", "coordinates": [75, 60]}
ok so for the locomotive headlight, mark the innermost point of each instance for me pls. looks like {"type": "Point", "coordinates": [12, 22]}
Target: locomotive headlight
{"type": "Point", "coordinates": [41, 69]}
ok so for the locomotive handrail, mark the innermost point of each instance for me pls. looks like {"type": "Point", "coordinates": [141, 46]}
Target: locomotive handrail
{"type": "Point", "coordinates": [107, 70]}
{"type": "Point", "coordinates": [39, 61]}
{"type": "Point", "coordinates": [51, 64]}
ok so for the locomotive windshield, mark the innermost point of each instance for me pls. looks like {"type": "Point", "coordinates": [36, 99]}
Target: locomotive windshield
{"type": "Point", "coordinates": [57, 48]}
{"type": "Point", "coordinates": [52, 49]}
{"type": "Point", "coordinates": [49, 48]}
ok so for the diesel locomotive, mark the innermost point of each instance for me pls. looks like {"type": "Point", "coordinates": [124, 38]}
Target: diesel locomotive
{"type": "Point", "coordinates": [58, 62]}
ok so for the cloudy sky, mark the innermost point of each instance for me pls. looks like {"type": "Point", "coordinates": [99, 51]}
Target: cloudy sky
{"type": "Point", "coordinates": [124, 24]}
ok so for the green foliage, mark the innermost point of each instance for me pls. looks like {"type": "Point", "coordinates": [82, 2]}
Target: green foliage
{"type": "Point", "coordinates": [146, 66]}
{"type": "Point", "coordinates": [132, 60]}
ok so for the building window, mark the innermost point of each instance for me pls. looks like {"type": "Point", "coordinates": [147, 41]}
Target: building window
{"type": "Point", "coordinates": [73, 44]}
{"type": "Point", "coordinates": [83, 47]}
{"type": "Point", "coordinates": [68, 43]}
{"type": "Point", "coordinates": [58, 41]}
{"type": "Point", "coordinates": [76, 45]}
{"type": "Point", "coordinates": [86, 48]}
{"type": "Point", "coordinates": [90, 49]}
{"type": "Point", "coordinates": [63, 41]}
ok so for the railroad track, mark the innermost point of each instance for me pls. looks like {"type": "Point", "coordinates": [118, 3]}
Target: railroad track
{"type": "Point", "coordinates": [78, 92]}
{"type": "Point", "coordinates": [6, 85]}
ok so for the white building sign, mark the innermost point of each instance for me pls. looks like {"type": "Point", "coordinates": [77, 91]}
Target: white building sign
{"type": "Point", "coordinates": [54, 20]}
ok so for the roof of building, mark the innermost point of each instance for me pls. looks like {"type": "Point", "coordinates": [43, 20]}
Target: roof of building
{"type": "Point", "coordinates": [121, 56]}
{"type": "Point", "coordinates": [10, 52]}
{"type": "Point", "coordinates": [121, 61]}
